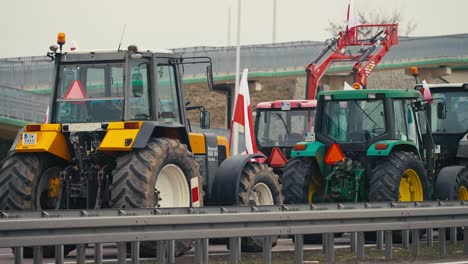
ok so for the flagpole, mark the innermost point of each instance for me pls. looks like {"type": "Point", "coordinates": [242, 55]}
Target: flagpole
{"type": "Point", "coordinates": [273, 39]}
{"type": "Point", "coordinates": [235, 135]}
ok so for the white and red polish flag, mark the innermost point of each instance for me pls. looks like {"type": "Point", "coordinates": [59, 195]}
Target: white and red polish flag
{"type": "Point", "coordinates": [352, 18]}
{"type": "Point", "coordinates": [426, 92]}
{"type": "Point", "coordinates": [73, 46]}
{"type": "Point", "coordinates": [242, 115]}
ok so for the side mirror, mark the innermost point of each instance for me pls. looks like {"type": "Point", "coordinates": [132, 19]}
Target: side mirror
{"type": "Point", "coordinates": [204, 119]}
{"type": "Point", "coordinates": [441, 111]}
{"type": "Point", "coordinates": [209, 76]}
{"type": "Point", "coordinates": [137, 84]}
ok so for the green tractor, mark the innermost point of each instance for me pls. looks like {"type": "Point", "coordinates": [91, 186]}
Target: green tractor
{"type": "Point", "coordinates": [370, 145]}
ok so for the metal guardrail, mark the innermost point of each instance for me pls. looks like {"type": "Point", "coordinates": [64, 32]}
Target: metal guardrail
{"type": "Point", "coordinates": [41, 228]}
{"type": "Point", "coordinates": [23, 105]}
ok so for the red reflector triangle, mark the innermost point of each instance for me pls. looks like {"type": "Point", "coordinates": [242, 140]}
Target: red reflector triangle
{"type": "Point", "coordinates": [277, 158]}
{"type": "Point", "coordinates": [75, 91]}
{"type": "Point", "coordinates": [334, 154]}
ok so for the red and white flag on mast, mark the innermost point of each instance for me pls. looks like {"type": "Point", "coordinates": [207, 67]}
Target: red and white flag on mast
{"type": "Point", "coordinates": [426, 92]}
{"type": "Point", "coordinates": [352, 18]}
{"type": "Point", "coordinates": [242, 116]}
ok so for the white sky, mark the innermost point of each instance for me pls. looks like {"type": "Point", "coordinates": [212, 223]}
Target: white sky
{"type": "Point", "coordinates": [29, 27]}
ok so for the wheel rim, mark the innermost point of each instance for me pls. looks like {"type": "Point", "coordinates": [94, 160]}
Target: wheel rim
{"type": "Point", "coordinates": [312, 190]}
{"type": "Point", "coordinates": [462, 194]}
{"type": "Point", "coordinates": [171, 188]}
{"type": "Point", "coordinates": [48, 189]}
{"type": "Point", "coordinates": [410, 187]}
{"type": "Point", "coordinates": [261, 195]}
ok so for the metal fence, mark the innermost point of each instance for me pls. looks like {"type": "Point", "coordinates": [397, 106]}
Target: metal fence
{"type": "Point", "coordinates": [23, 105]}
{"type": "Point", "coordinates": [36, 72]}
{"type": "Point", "coordinates": [42, 228]}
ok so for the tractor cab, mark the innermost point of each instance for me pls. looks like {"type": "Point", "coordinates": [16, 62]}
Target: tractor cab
{"type": "Point", "coordinates": [449, 133]}
{"type": "Point", "coordinates": [281, 124]}
{"type": "Point", "coordinates": [358, 120]}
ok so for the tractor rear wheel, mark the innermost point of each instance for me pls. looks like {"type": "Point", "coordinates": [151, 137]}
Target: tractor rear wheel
{"type": "Point", "coordinates": [452, 184]}
{"type": "Point", "coordinates": [258, 186]}
{"type": "Point", "coordinates": [24, 185]}
{"type": "Point", "coordinates": [301, 181]}
{"type": "Point", "coordinates": [159, 175]}
{"type": "Point", "coordinates": [398, 177]}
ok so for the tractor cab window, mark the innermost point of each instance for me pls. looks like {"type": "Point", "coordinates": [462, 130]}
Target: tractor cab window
{"type": "Point", "coordinates": [168, 105]}
{"type": "Point", "coordinates": [90, 93]}
{"type": "Point", "coordinates": [457, 113]}
{"type": "Point", "coordinates": [139, 92]}
{"type": "Point", "coordinates": [353, 120]}
{"type": "Point", "coordinates": [400, 120]}
{"type": "Point", "coordinates": [283, 128]}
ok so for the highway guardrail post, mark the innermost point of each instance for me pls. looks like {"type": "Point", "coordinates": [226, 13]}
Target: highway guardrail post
{"type": "Point", "coordinates": [98, 253]}
{"type": "Point", "coordinates": [380, 240]}
{"type": "Point", "coordinates": [442, 238]}
{"type": "Point", "coordinates": [429, 237]}
{"type": "Point", "coordinates": [388, 244]}
{"type": "Point", "coordinates": [59, 256]}
{"type": "Point", "coordinates": [415, 242]}
{"type": "Point", "coordinates": [18, 251]}
{"type": "Point", "coordinates": [267, 244]}
{"type": "Point", "coordinates": [299, 249]}
{"type": "Point", "coordinates": [234, 250]}
{"type": "Point", "coordinates": [121, 253]}
{"type": "Point", "coordinates": [135, 252]}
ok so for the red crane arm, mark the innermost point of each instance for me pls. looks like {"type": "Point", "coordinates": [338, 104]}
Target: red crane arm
{"type": "Point", "coordinates": [385, 38]}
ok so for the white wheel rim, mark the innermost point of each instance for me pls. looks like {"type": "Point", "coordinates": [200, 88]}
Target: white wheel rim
{"type": "Point", "coordinates": [261, 194]}
{"type": "Point", "coordinates": [172, 188]}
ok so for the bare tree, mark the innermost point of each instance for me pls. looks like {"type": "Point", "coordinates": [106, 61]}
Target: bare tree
{"type": "Point", "coordinates": [375, 18]}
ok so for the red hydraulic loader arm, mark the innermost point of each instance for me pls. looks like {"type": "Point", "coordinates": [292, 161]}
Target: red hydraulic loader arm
{"type": "Point", "coordinates": [366, 59]}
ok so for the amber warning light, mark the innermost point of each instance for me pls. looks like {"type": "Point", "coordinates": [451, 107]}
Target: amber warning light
{"type": "Point", "coordinates": [61, 38]}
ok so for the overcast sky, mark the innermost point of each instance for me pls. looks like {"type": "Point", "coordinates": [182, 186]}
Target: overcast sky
{"type": "Point", "coordinates": [29, 27]}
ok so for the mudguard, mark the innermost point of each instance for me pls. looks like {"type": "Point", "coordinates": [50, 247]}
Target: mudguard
{"type": "Point", "coordinates": [17, 139]}
{"type": "Point", "coordinates": [227, 179]}
{"type": "Point", "coordinates": [372, 151]}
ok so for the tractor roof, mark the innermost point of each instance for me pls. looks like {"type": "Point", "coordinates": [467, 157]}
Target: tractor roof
{"type": "Point", "coordinates": [446, 85]}
{"type": "Point", "coordinates": [364, 94]}
{"type": "Point", "coordinates": [278, 104]}
{"type": "Point", "coordinates": [92, 55]}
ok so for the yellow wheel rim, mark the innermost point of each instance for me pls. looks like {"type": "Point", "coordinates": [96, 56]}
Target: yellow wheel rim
{"type": "Point", "coordinates": [312, 190]}
{"type": "Point", "coordinates": [462, 194]}
{"type": "Point", "coordinates": [410, 187]}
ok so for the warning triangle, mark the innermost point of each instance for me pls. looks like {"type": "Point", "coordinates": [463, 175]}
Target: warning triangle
{"type": "Point", "coordinates": [334, 154]}
{"type": "Point", "coordinates": [277, 159]}
{"type": "Point", "coordinates": [75, 91]}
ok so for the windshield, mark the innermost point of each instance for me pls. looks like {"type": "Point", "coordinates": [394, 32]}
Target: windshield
{"type": "Point", "coordinates": [89, 93]}
{"type": "Point", "coordinates": [353, 120]}
{"type": "Point", "coordinates": [95, 92]}
{"type": "Point", "coordinates": [457, 113]}
{"type": "Point", "coordinates": [283, 128]}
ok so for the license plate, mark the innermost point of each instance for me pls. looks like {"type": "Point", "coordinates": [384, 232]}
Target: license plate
{"type": "Point", "coordinates": [29, 139]}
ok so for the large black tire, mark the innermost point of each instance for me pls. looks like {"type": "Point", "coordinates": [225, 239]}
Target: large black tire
{"type": "Point", "coordinates": [452, 184]}
{"type": "Point", "coordinates": [22, 188]}
{"type": "Point", "coordinates": [258, 180]}
{"type": "Point", "coordinates": [385, 180]}
{"type": "Point", "coordinates": [296, 179]}
{"type": "Point", "coordinates": [135, 178]}
{"type": "Point", "coordinates": [386, 176]}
